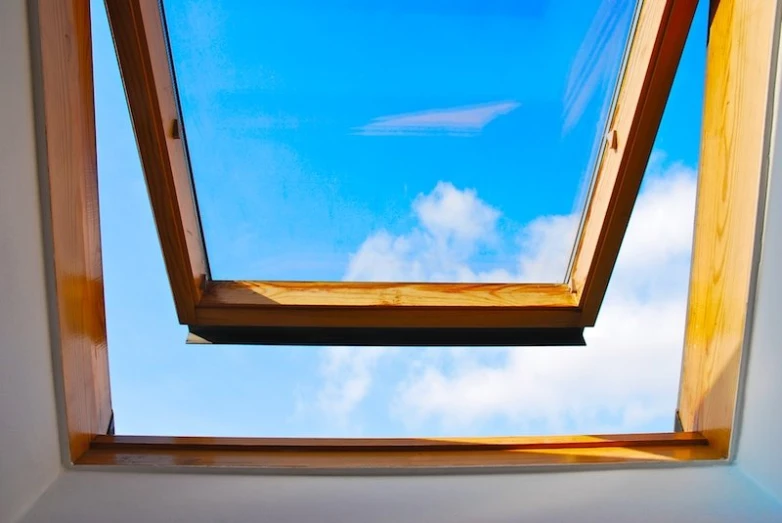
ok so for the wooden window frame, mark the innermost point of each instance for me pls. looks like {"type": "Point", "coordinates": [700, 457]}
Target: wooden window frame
{"type": "Point", "coordinates": [727, 239]}
{"type": "Point", "coordinates": [362, 313]}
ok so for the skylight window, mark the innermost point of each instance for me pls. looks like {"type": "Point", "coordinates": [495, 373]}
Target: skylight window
{"type": "Point", "coordinates": [469, 385]}
{"type": "Point", "coordinates": [329, 126]}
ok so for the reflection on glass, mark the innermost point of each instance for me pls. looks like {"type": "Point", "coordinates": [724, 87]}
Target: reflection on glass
{"type": "Point", "coordinates": [408, 140]}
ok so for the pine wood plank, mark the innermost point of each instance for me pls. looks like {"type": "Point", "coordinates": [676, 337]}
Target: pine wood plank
{"type": "Point", "coordinates": [731, 176]}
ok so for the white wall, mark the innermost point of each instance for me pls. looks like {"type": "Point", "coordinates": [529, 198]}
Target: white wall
{"type": "Point", "coordinates": [29, 451]}
{"type": "Point", "coordinates": [714, 494]}
{"type": "Point", "coordinates": [761, 423]}
{"type": "Point", "coordinates": [29, 458]}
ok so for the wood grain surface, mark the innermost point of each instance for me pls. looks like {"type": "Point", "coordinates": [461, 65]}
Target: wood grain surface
{"type": "Point", "coordinates": [733, 149]}
{"type": "Point", "coordinates": [655, 50]}
{"type": "Point", "coordinates": [140, 41]}
{"type": "Point", "coordinates": [72, 197]}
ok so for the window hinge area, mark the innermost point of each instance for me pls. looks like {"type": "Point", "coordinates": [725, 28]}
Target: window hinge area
{"type": "Point", "coordinates": [175, 134]}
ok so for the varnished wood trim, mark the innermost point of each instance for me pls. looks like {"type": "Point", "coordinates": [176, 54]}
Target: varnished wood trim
{"type": "Point", "coordinates": [372, 294]}
{"type": "Point", "coordinates": [316, 455]}
{"type": "Point", "coordinates": [362, 306]}
{"type": "Point", "coordinates": [71, 194]}
{"type": "Point", "coordinates": [654, 55]}
{"type": "Point", "coordinates": [140, 41]}
{"type": "Point", "coordinates": [405, 444]}
{"type": "Point", "coordinates": [727, 223]}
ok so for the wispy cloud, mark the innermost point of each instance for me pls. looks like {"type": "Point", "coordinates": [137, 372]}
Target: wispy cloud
{"type": "Point", "coordinates": [467, 120]}
{"type": "Point", "coordinates": [347, 376]}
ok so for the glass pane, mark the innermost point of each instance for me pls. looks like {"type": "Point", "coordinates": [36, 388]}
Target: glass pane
{"type": "Point", "coordinates": [399, 140]}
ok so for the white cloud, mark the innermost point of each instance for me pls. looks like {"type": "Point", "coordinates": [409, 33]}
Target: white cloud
{"type": "Point", "coordinates": [452, 224]}
{"type": "Point", "coordinates": [546, 246]}
{"type": "Point", "coordinates": [663, 219]}
{"type": "Point", "coordinates": [347, 374]}
{"type": "Point", "coordinates": [451, 213]}
{"type": "Point", "coordinates": [467, 120]}
{"type": "Point", "coordinates": [383, 257]}
{"type": "Point", "coordinates": [626, 377]}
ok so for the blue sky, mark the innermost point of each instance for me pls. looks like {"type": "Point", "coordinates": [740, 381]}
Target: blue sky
{"type": "Point", "coordinates": [395, 140]}
{"type": "Point", "coordinates": [332, 119]}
